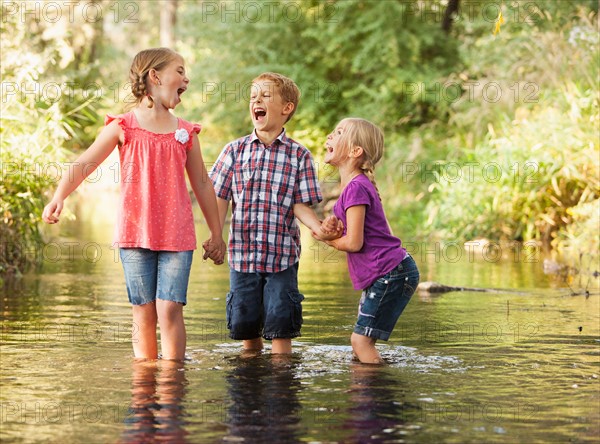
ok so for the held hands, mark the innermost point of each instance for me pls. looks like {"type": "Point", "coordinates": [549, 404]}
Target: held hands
{"type": "Point", "coordinates": [214, 249]}
{"type": "Point", "coordinates": [52, 211]}
{"type": "Point", "coordinates": [331, 228]}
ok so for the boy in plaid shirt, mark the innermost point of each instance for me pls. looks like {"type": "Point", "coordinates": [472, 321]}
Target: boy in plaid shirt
{"type": "Point", "coordinates": [270, 179]}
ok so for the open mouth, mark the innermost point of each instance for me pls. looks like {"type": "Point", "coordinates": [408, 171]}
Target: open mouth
{"type": "Point", "coordinates": [180, 91]}
{"type": "Point", "coordinates": [259, 114]}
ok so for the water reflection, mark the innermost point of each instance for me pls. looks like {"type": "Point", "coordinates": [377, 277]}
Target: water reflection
{"type": "Point", "coordinates": [378, 409]}
{"type": "Point", "coordinates": [464, 368]}
{"type": "Point", "coordinates": [263, 392]}
{"type": "Point", "coordinates": [156, 413]}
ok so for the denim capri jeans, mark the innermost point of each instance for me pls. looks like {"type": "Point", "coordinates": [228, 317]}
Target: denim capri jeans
{"type": "Point", "coordinates": [151, 275]}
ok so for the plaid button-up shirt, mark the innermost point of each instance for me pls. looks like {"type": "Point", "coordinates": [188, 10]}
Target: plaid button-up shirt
{"type": "Point", "coordinates": [263, 184]}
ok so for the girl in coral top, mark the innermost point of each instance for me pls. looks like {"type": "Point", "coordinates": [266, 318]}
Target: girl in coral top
{"type": "Point", "coordinates": [155, 230]}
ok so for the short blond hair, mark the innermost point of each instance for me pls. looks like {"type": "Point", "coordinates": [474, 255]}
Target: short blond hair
{"type": "Point", "coordinates": [288, 89]}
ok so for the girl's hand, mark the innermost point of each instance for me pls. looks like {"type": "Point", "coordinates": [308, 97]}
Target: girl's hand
{"type": "Point", "coordinates": [331, 228]}
{"type": "Point", "coordinates": [215, 250]}
{"type": "Point", "coordinates": [330, 224]}
{"type": "Point", "coordinates": [52, 211]}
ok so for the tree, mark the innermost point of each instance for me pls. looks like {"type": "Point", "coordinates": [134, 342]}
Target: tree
{"type": "Point", "coordinates": [168, 19]}
{"type": "Point", "coordinates": [375, 59]}
{"type": "Point", "coordinates": [451, 9]}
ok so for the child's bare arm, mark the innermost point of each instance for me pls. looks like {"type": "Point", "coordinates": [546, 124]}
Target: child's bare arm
{"type": "Point", "coordinates": [85, 165]}
{"type": "Point", "coordinates": [307, 216]}
{"type": "Point", "coordinates": [223, 206]}
{"type": "Point", "coordinates": [205, 194]}
{"type": "Point", "coordinates": [330, 228]}
{"type": "Point", "coordinates": [353, 240]}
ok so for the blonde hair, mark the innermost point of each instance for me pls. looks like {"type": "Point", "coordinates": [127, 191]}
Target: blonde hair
{"type": "Point", "coordinates": [143, 63]}
{"type": "Point", "coordinates": [288, 89]}
{"type": "Point", "coordinates": [368, 136]}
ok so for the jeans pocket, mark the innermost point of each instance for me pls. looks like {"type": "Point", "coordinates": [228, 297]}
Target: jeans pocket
{"type": "Point", "coordinates": [229, 308]}
{"type": "Point", "coordinates": [410, 285]}
{"type": "Point", "coordinates": [411, 281]}
{"type": "Point", "coordinates": [296, 311]}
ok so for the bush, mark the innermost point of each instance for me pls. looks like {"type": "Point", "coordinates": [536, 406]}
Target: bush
{"type": "Point", "coordinates": [525, 180]}
{"type": "Point", "coordinates": [541, 158]}
{"type": "Point", "coordinates": [34, 128]}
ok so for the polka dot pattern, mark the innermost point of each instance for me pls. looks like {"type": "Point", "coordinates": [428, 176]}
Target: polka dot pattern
{"type": "Point", "coordinates": [155, 209]}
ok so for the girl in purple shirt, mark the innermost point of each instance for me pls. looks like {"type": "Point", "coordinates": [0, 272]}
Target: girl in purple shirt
{"type": "Point", "coordinates": [377, 262]}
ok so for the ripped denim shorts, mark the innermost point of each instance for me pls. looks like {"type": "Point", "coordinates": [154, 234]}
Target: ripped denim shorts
{"type": "Point", "coordinates": [382, 303]}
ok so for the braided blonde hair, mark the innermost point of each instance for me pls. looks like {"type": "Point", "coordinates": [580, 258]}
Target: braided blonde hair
{"type": "Point", "coordinates": [143, 63]}
{"type": "Point", "coordinates": [368, 136]}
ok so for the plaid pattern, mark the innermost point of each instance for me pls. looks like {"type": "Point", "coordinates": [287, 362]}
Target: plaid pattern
{"type": "Point", "coordinates": [263, 184]}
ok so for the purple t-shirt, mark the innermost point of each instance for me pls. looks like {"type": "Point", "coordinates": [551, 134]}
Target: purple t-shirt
{"type": "Point", "coordinates": [381, 251]}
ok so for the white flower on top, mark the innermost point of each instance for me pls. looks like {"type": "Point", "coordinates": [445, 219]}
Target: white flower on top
{"type": "Point", "coordinates": [181, 135]}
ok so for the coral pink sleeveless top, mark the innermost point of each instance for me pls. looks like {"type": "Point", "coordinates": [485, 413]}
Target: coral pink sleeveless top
{"type": "Point", "coordinates": [155, 210]}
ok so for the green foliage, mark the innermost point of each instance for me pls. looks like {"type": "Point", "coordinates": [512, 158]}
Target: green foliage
{"type": "Point", "coordinates": [20, 207]}
{"type": "Point", "coordinates": [516, 113]}
{"type": "Point", "coordinates": [350, 57]}
{"type": "Point", "coordinates": [536, 167]}
{"type": "Point", "coordinates": [578, 243]}
{"type": "Point", "coordinates": [521, 183]}
{"type": "Point", "coordinates": [518, 109]}
{"type": "Point", "coordinates": [39, 113]}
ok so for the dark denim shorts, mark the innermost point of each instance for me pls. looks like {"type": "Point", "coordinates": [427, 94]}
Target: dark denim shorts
{"type": "Point", "coordinates": [152, 275]}
{"type": "Point", "coordinates": [383, 302]}
{"type": "Point", "coordinates": [264, 304]}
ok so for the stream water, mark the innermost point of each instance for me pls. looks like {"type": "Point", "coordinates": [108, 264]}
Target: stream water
{"type": "Point", "coordinates": [517, 365]}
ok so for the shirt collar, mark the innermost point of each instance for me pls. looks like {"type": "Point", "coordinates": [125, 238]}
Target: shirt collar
{"type": "Point", "coordinates": [281, 137]}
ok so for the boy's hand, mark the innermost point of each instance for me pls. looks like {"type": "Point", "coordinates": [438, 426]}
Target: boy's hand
{"type": "Point", "coordinates": [52, 211]}
{"type": "Point", "coordinates": [331, 228]}
{"type": "Point", "coordinates": [215, 250]}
